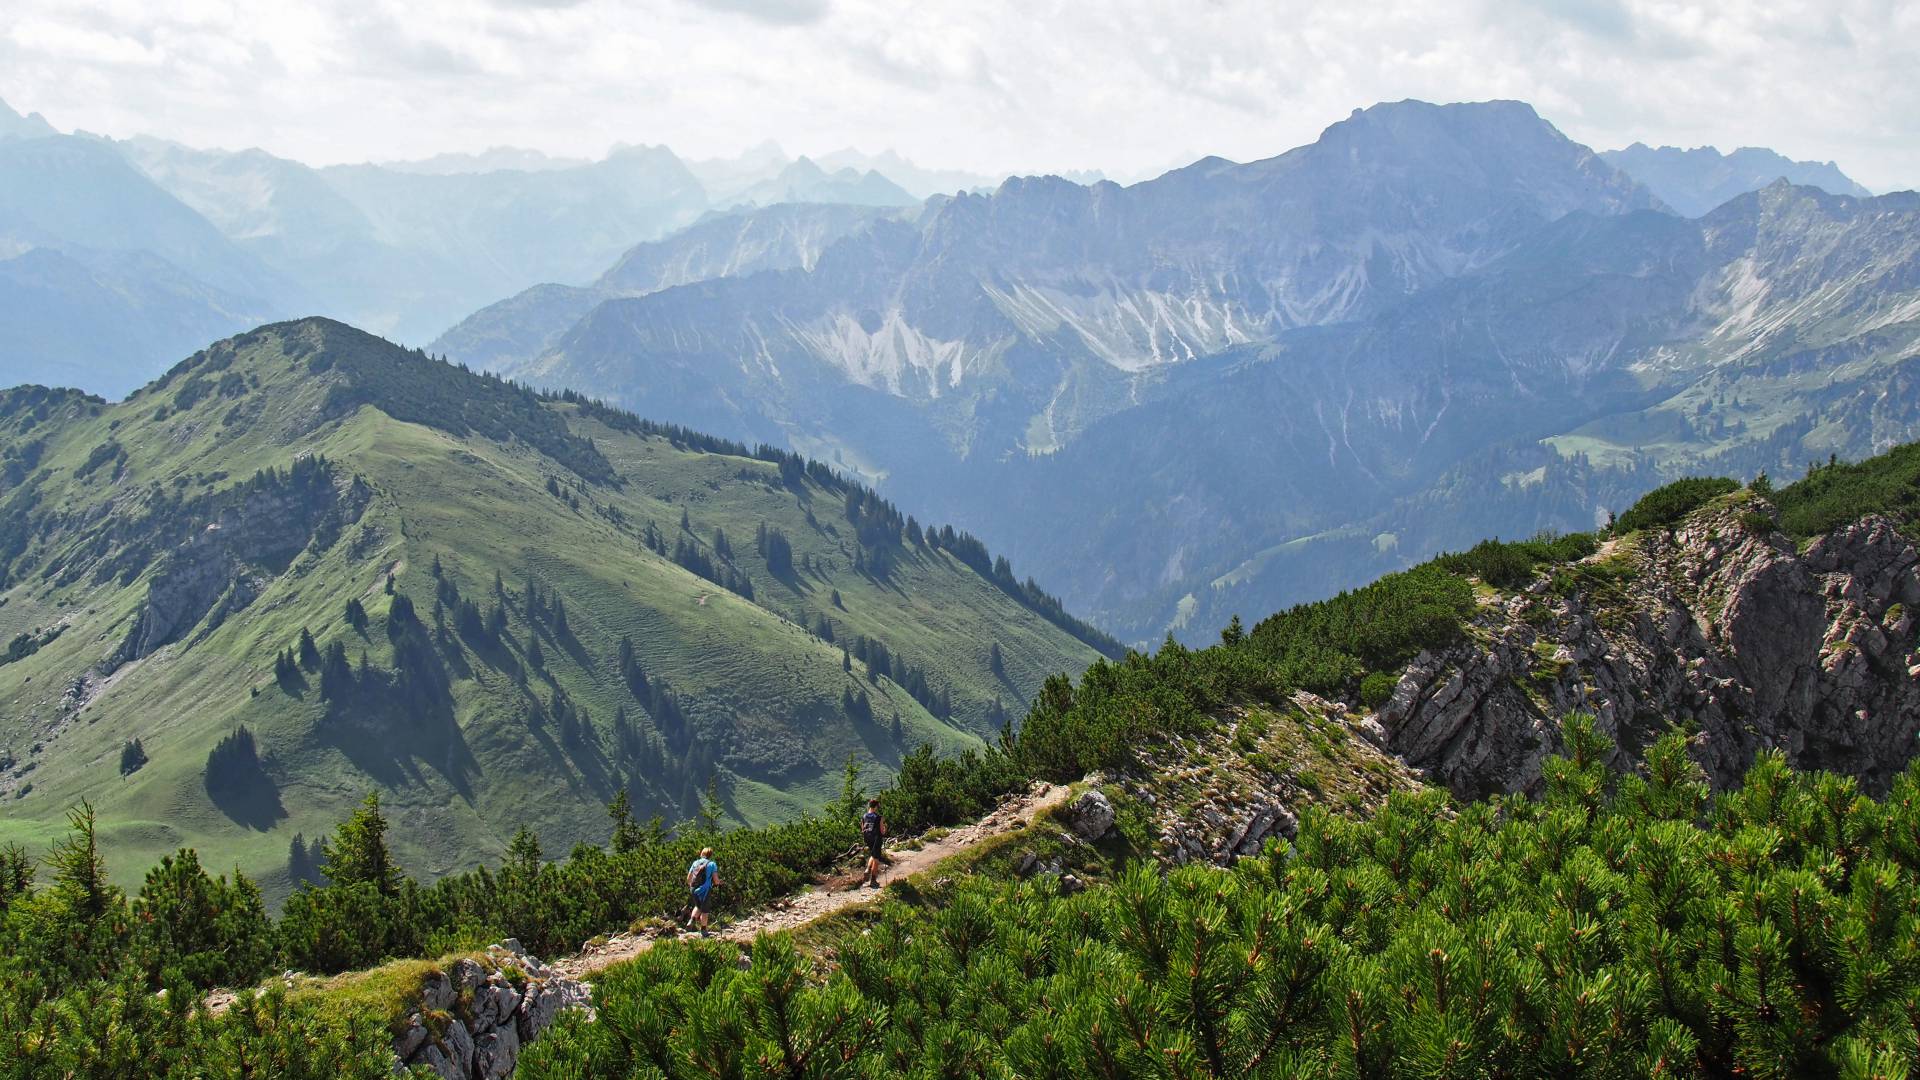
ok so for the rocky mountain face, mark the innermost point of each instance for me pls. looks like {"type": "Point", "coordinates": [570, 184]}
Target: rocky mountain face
{"type": "Point", "coordinates": [1558, 382]}
{"type": "Point", "coordinates": [779, 237]}
{"type": "Point", "coordinates": [1695, 181]}
{"type": "Point", "coordinates": [1720, 625]}
{"type": "Point", "coordinates": [1016, 319]}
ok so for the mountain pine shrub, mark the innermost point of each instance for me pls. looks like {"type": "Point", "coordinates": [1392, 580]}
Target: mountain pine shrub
{"type": "Point", "coordinates": [1619, 926]}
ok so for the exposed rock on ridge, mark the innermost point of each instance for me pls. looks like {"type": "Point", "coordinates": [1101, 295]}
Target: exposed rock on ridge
{"type": "Point", "coordinates": [1219, 796]}
{"type": "Point", "coordinates": [474, 1018]}
{"type": "Point", "coordinates": [227, 563]}
{"type": "Point", "coordinates": [1719, 624]}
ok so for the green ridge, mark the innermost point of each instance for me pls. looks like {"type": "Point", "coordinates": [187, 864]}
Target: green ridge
{"type": "Point", "coordinates": [385, 461]}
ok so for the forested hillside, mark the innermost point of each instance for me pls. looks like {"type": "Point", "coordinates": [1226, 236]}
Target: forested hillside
{"type": "Point", "coordinates": [306, 563]}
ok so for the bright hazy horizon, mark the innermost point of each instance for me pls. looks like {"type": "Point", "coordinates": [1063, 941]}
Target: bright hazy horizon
{"type": "Point", "coordinates": [993, 88]}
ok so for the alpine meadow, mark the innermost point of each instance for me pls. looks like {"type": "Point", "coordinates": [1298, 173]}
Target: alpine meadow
{"type": "Point", "coordinates": [836, 540]}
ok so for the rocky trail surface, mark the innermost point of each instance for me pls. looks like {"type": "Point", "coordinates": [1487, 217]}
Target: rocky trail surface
{"type": "Point", "coordinates": [837, 893]}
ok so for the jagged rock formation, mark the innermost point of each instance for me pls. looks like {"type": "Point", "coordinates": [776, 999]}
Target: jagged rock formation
{"type": "Point", "coordinates": [474, 1017]}
{"type": "Point", "coordinates": [1720, 625]}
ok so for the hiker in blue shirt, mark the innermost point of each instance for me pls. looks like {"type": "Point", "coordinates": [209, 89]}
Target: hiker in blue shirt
{"type": "Point", "coordinates": [702, 877]}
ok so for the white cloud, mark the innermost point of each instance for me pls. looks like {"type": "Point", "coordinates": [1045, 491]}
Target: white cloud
{"type": "Point", "coordinates": [1127, 86]}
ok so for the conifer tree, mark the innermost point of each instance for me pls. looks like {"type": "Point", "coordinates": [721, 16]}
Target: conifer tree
{"type": "Point", "coordinates": [712, 810]}
{"type": "Point", "coordinates": [79, 870]}
{"type": "Point", "coordinates": [301, 867]}
{"type": "Point", "coordinates": [16, 874]}
{"type": "Point", "coordinates": [359, 853]}
{"type": "Point", "coordinates": [627, 834]}
{"type": "Point", "coordinates": [336, 675]}
{"type": "Point", "coordinates": [523, 852]}
{"type": "Point", "coordinates": [199, 928]}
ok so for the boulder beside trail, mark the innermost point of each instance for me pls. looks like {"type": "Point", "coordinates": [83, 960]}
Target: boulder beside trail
{"type": "Point", "coordinates": [1090, 816]}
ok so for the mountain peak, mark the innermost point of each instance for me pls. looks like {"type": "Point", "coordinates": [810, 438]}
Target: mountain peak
{"type": "Point", "coordinates": [15, 126]}
{"type": "Point", "coordinates": [802, 168]}
{"type": "Point", "coordinates": [1410, 118]}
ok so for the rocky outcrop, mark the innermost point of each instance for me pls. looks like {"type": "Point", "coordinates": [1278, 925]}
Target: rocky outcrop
{"type": "Point", "coordinates": [475, 1017]}
{"type": "Point", "coordinates": [1719, 625]}
{"type": "Point", "coordinates": [222, 563]}
{"type": "Point", "coordinates": [1220, 796]}
{"type": "Point", "coordinates": [1090, 816]}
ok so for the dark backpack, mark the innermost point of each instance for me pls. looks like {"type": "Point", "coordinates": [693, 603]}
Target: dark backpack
{"type": "Point", "coordinates": [870, 825]}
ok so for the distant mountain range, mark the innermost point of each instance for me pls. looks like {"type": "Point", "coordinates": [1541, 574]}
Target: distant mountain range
{"type": "Point", "coordinates": [408, 248]}
{"type": "Point", "coordinates": [405, 248]}
{"type": "Point", "coordinates": [1248, 384]}
{"type": "Point", "coordinates": [1695, 181]}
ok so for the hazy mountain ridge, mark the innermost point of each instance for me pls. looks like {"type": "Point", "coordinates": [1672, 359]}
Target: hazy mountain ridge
{"type": "Point", "coordinates": [406, 248]}
{"type": "Point", "coordinates": [1106, 284]}
{"type": "Point", "coordinates": [1697, 180]}
{"type": "Point", "coordinates": [107, 276]}
{"type": "Point", "coordinates": [15, 126]}
{"type": "Point", "coordinates": [720, 245]}
{"type": "Point", "coordinates": [70, 317]}
{"type": "Point", "coordinates": [803, 181]}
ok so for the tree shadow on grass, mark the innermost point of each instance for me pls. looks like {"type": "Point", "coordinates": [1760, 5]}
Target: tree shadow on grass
{"type": "Point", "coordinates": [248, 796]}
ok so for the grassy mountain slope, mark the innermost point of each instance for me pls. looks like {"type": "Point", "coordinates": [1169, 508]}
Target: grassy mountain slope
{"type": "Point", "coordinates": [151, 580]}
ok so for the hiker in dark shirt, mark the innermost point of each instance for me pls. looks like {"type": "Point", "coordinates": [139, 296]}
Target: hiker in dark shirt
{"type": "Point", "coordinates": [873, 829]}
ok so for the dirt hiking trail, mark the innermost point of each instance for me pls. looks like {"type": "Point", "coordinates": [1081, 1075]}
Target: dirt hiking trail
{"type": "Point", "coordinates": [836, 893]}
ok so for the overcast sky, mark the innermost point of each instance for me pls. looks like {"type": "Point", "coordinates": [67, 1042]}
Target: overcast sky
{"type": "Point", "coordinates": [1127, 86]}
